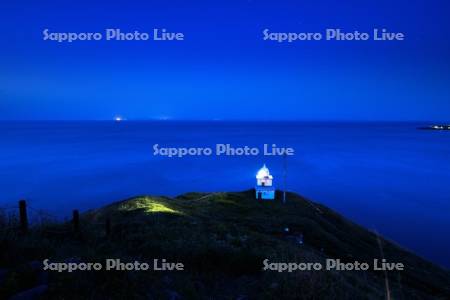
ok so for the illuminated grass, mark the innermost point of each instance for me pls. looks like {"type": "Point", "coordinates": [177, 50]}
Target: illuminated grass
{"type": "Point", "coordinates": [158, 207]}
{"type": "Point", "coordinates": [149, 205]}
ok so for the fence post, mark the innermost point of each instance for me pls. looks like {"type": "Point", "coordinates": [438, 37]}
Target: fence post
{"type": "Point", "coordinates": [76, 221]}
{"type": "Point", "coordinates": [23, 216]}
{"type": "Point", "coordinates": [108, 226]}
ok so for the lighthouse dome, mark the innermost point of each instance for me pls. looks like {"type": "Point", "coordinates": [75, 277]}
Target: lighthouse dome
{"type": "Point", "coordinates": [263, 173]}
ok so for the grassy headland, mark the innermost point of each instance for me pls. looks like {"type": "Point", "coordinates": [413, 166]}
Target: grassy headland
{"type": "Point", "coordinates": [222, 239]}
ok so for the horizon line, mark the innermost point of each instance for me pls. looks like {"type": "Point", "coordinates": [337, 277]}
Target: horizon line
{"type": "Point", "coordinates": [226, 120]}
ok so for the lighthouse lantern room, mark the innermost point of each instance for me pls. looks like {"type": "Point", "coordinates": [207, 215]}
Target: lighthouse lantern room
{"type": "Point", "coordinates": [264, 186]}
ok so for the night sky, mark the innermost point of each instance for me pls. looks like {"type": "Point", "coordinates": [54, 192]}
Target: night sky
{"type": "Point", "coordinates": [224, 70]}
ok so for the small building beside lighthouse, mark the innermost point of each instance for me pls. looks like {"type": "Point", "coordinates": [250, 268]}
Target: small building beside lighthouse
{"type": "Point", "coordinates": [264, 185]}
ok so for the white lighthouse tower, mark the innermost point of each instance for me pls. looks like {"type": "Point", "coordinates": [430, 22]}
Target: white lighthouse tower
{"type": "Point", "coordinates": [264, 186]}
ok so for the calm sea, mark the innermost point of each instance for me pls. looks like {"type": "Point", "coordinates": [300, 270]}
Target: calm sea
{"type": "Point", "coordinates": [385, 176]}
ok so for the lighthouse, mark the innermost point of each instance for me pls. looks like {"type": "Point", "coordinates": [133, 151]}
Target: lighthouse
{"type": "Point", "coordinates": [264, 185]}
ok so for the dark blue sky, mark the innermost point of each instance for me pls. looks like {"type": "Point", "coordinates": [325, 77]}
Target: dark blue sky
{"type": "Point", "coordinates": [223, 69]}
